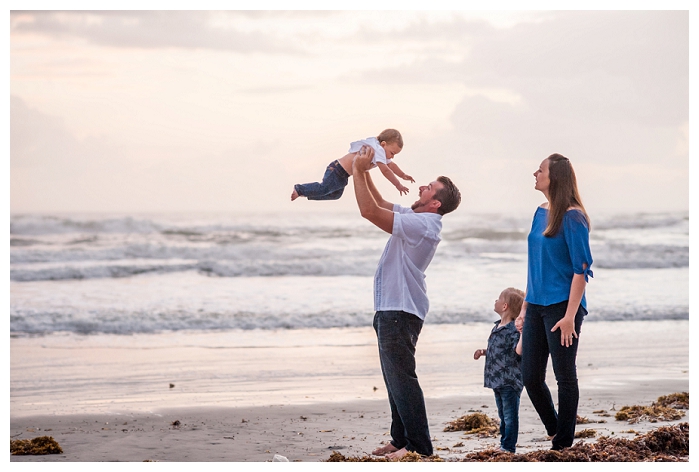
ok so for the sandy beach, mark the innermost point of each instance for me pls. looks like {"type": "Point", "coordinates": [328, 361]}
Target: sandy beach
{"type": "Point", "coordinates": [302, 394]}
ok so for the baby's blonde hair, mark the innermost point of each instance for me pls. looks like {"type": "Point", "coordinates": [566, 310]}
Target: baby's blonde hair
{"type": "Point", "coordinates": [514, 298]}
{"type": "Point", "coordinates": [391, 136]}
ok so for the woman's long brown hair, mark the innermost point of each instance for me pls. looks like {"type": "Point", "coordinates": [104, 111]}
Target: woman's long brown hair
{"type": "Point", "coordinates": [563, 193]}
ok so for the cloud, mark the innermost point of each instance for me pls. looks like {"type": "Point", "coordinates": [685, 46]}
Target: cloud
{"type": "Point", "coordinates": [607, 86]}
{"type": "Point", "coordinates": [52, 170]}
{"type": "Point", "coordinates": [607, 83]}
{"type": "Point", "coordinates": [37, 139]}
{"type": "Point", "coordinates": [613, 63]}
{"type": "Point", "coordinates": [608, 89]}
{"type": "Point", "coordinates": [600, 64]}
{"type": "Point", "coordinates": [152, 29]}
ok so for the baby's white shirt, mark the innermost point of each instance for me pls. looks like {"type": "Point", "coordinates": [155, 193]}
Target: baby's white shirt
{"type": "Point", "coordinates": [379, 152]}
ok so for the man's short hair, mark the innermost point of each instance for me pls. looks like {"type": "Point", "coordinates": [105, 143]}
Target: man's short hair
{"type": "Point", "coordinates": [449, 196]}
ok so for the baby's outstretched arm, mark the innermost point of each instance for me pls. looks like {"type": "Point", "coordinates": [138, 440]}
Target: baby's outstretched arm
{"type": "Point", "coordinates": [479, 352]}
{"type": "Point", "coordinates": [388, 173]}
{"type": "Point", "coordinates": [397, 170]}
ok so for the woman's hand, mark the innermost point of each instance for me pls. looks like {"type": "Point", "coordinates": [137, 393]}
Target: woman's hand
{"type": "Point", "coordinates": [519, 321]}
{"type": "Point", "coordinates": [567, 327]}
{"type": "Point", "coordinates": [567, 324]}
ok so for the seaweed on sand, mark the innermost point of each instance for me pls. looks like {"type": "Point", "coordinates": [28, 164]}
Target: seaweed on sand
{"type": "Point", "coordinates": [666, 408]}
{"type": "Point", "coordinates": [40, 445]}
{"type": "Point", "coordinates": [665, 444]}
{"type": "Point", "coordinates": [586, 433]}
{"type": "Point", "coordinates": [653, 414]}
{"type": "Point", "coordinates": [409, 457]}
{"type": "Point", "coordinates": [679, 401]}
{"type": "Point", "coordinates": [475, 423]}
{"type": "Point", "coordinates": [585, 420]}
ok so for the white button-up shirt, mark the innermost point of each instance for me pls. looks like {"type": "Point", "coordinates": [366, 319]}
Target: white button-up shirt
{"type": "Point", "coordinates": [379, 152]}
{"type": "Point", "coordinates": [399, 283]}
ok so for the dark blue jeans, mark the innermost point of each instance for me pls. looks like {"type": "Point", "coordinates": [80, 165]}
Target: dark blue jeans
{"type": "Point", "coordinates": [397, 333]}
{"type": "Point", "coordinates": [507, 401]}
{"type": "Point", "coordinates": [331, 188]}
{"type": "Point", "coordinates": [538, 342]}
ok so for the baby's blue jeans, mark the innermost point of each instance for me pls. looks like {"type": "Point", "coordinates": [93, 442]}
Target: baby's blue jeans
{"type": "Point", "coordinates": [331, 188]}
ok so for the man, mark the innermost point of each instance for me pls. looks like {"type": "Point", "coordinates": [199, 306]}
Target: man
{"type": "Point", "coordinates": [400, 296]}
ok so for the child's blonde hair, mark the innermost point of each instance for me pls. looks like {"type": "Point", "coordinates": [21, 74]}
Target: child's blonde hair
{"type": "Point", "coordinates": [391, 136]}
{"type": "Point", "coordinates": [514, 298]}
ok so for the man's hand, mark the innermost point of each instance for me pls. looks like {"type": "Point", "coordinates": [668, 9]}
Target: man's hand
{"type": "Point", "coordinates": [371, 205]}
{"type": "Point", "coordinates": [362, 161]}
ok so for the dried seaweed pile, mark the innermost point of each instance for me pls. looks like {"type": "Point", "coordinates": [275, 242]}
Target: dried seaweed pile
{"type": "Point", "coordinates": [476, 423]}
{"type": "Point", "coordinates": [40, 445]}
{"type": "Point", "coordinates": [666, 408]}
{"type": "Point", "coordinates": [409, 457]}
{"type": "Point", "coordinates": [585, 433]}
{"type": "Point", "coordinates": [665, 444]}
{"type": "Point", "coordinates": [653, 414]}
{"type": "Point", "coordinates": [585, 420]}
{"type": "Point", "coordinates": [678, 401]}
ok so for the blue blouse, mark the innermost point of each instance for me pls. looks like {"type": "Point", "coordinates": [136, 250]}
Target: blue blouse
{"type": "Point", "coordinates": [554, 260]}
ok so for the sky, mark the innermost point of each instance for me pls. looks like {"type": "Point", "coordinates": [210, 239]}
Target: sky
{"type": "Point", "coordinates": [224, 111]}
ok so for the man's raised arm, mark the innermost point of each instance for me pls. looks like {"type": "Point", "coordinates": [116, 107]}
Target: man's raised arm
{"type": "Point", "coordinates": [371, 205]}
{"type": "Point", "coordinates": [375, 192]}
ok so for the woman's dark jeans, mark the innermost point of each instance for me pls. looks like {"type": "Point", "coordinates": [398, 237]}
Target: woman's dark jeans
{"type": "Point", "coordinates": [397, 333]}
{"type": "Point", "coordinates": [331, 188]}
{"type": "Point", "coordinates": [537, 343]}
{"type": "Point", "coordinates": [507, 401]}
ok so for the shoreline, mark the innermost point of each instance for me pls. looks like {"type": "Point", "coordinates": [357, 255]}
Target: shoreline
{"type": "Point", "coordinates": [70, 387]}
{"type": "Point", "coordinates": [307, 433]}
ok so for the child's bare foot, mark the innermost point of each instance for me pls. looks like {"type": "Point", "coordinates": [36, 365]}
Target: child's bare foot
{"type": "Point", "coordinates": [294, 195]}
{"type": "Point", "coordinates": [383, 450]}
{"type": "Point", "coordinates": [397, 455]}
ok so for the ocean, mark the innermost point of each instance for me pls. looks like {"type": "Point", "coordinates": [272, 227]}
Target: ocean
{"type": "Point", "coordinates": [142, 274]}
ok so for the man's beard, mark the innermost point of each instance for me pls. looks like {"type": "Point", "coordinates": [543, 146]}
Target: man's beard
{"type": "Point", "coordinates": [417, 205]}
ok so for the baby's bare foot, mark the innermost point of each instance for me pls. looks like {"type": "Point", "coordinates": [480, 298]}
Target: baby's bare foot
{"type": "Point", "coordinates": [294, 195]}
{"type": "Point", "coordinates": [383, 450]}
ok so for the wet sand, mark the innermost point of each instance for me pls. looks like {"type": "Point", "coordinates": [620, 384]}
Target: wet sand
{"type": "Point", "coordinates": [302, 394]}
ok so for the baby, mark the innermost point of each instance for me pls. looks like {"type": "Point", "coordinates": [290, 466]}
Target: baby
{"type": "Point", "coordinates": [386, 145]}
{"type": "Point", "coordinates": [502, 365]}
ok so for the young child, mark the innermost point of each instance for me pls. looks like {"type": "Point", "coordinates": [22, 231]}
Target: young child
{"type": "Point", "coordinates": [386, 145]}
{"type": "Point", "coordinates": [502, 365]}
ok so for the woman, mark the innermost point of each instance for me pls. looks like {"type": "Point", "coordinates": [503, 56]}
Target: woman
{"type": "Point", "coordinates": [554, 307]}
